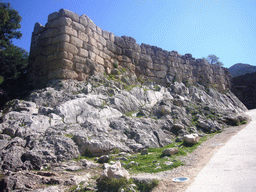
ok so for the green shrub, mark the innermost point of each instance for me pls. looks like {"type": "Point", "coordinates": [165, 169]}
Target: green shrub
{"type": "Point", "coordinates": [115, 65]}
{"type": "Point", "coordinates": [112, 185]}
{"type": "Point", "coordinates": [147, 187]}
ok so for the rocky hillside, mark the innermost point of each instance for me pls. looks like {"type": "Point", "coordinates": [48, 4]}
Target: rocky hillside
{"type": "Point", "coordinates": [241, 69]}
{"type": "Point", "coordinates": [68, 119]}
{"type": "Point", "coordinates": [244, 87]}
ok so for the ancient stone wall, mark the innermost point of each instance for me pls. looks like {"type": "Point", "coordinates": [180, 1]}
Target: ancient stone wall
{"type": "Point", "coordinates": [70, 46]}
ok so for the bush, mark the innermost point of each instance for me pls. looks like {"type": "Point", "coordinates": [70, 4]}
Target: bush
{"type": "Point", "coordinates": [147, 187]}
{"type": "Point", "coordinates": [112, 185]}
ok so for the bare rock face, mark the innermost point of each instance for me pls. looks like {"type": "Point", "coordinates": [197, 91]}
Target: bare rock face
{"type": "Point", "coordinates": [68, 119]}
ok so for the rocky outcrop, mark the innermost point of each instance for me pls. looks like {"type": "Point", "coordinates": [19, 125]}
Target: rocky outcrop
{"type": "Point", "coordinates": [70, 118]}
{"type": "Point", "coordinates": [70, 46]}
{"type": "Point", "coordinates": [244, 87]}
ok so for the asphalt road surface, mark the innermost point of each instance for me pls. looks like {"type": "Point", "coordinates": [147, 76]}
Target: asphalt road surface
{"type": "Point", "coordinates": [233, 167]}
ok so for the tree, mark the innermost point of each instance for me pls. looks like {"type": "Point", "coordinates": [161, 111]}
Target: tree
{"type": "Point", "coordinates": [13, 59]}
{"type": "Point", "coordinates": [9, 23]}
{"type": "Point", "coordinates": [214, 60]}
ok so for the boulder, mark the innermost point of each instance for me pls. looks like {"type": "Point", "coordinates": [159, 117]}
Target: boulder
{"type": "Point", "coordinates": [191, 139]}
{"type": "Point", "coordinates": [170, 151]}
{"type": "Point", "coordinates": [115, 171]}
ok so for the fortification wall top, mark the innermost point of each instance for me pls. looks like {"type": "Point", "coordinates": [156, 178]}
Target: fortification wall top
{"type": "Point", "coordinates": [70, 46]}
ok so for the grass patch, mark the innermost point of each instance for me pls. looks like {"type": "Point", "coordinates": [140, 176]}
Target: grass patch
{"type": "Point", "coordinates": [154, 162]}
{"type": "Point", "coordinates": [69, 135]}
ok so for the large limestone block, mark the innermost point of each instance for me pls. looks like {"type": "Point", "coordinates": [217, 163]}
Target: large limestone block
{"type": "Point", "coordinates": [83, 52]}
{"type": "Point", "coordinates": [102, 41]}
{"type": "Point", "coordinates": [161, 74]}
{"type": "Point", "coordinates": [83, 36]}
{"type": "Point", "coordinates": [78, 26]}
{"type": "Point", "coordinates": [73, 16]}
{"type": "Point", "coordinates": [163, 68]}
{"type": "Point", "coordinates": [120, 42]}
{"type": "Point", "coordinates": [83, 20]}
{"type": "Point", "coordinates": [99, 60]}
{"type": "Point", "coordinates": [75, 41]}
{"type": "Point", "coordinates": [91, 48]}
{"type": "Point", "coordinates": [99, 30]}
{"type": "Point", "coordinates": [68, 30]}
{"type": "Point", "coordinates": [63, 55]}
{"type": "Point", "coordinates": [92, 55]}
{"type": "Point", "coordinates": [49, 33]}
{"type": "Point", "coordinates": [78, 59]}
{"type": "Point", "coordinates": [114, 48]}
{"type": "Point", "coordinates": [90, 24]}
{"type": "Point", "coordinates": [82, 68]}
{"type": "Point", "coordinates": [104, 55]}
{"type": "Point", "coordinates": [44, 42]}
{"type": "Point", "coordinates": [61, 21]}
{"type": "Point", "coordinates": [51, 49]}
{"type": "Point", "coordinates": [62, 74]}
{"type": "Point", "coordinates": [53, 16]}
{"type": "Point", "coordinates": [38, 28]}
{"type": "Point", "coordinates": [149, 73]}
{"type": "Point", "coordinates": [61, 63]}
{"type": "Point", "coordinates": [39, 63]}
{"type": "Point", "coordinates": [112, 37]}
{"type": "Point", "coordinates": [100, 46]}
{"type": "Point", "coordinates": [105, 34]}
{"type": "Point", "coordinates": [95, 35]}
{"type": "Point", "coordinates": [64, 46]}
{"type": "Point", "coordinates": [61, 38]}
{"type": "Point", "coordinates": [92, 41]}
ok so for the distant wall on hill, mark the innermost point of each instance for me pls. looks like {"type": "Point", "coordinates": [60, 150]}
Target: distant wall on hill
{"type": "Point", "coordinates": [70, 46]}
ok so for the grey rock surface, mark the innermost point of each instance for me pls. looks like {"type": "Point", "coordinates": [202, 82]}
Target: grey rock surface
{"type": "Point", "coordinates": [69, 119]}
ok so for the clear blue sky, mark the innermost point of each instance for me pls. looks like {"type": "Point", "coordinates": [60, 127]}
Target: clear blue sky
{"type": "Point", "coordinates": [200, 27]}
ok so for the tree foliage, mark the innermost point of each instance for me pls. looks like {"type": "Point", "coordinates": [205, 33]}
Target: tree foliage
{"type": "Point", "coordinates": [214, 60]}
{"type": "Point", "coordinates": [13, 59]}
{"type": "Point", "coordinates": [9, 23]}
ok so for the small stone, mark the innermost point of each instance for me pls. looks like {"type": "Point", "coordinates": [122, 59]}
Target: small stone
{"type": "Point", "coordinates": [144, 152]}
{"type": "Point", "coordinates": [104, 159]}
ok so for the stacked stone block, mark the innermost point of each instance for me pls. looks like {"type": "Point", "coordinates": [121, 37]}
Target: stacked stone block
{"type": "Point", "coordinates": [70, 46]}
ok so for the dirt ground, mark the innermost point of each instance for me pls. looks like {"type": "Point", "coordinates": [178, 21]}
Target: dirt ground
{"type": "Point", "coordinates": [194, 162]}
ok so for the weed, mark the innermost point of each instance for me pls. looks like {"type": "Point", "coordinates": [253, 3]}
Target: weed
{"type": "Point", "coordinates": [69, 135]}
{"type": "Point", "coordinates": [156, 88]}
{"type": "Point", "coordinates": [115, 65]}
{"type": "Point", "coordinates": [123, 70]}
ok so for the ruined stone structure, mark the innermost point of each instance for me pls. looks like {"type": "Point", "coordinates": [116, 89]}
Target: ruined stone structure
{"type": "Point", "coordinates": [70, 46]}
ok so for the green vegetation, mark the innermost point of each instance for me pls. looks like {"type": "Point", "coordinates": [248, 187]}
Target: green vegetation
{"type": "Point", "coordinates": [115, 65]}
{"type": "Point", "coordinates": [156, 88]}
{"type": "Point", "coordinates": [142, 186]}
{"type": "Point", "coordinates": [13, 59]}
{"type": "Point", "coordinates": [214, 60]}
{"type": "Point", "coordinates": [69, 135]}
{"type": "Point", "coordinates": [113, 185]}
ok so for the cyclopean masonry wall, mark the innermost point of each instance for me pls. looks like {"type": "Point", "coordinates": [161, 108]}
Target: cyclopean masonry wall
{"type": "Point", "coordinates": [70, 46]}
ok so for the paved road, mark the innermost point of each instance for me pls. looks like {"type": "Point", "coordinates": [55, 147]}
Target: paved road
{"type": "Point", "coordinates": [233, 167]}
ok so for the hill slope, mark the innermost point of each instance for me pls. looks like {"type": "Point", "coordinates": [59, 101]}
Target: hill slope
{"type": "Point", "coordinates": [241, 69]}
